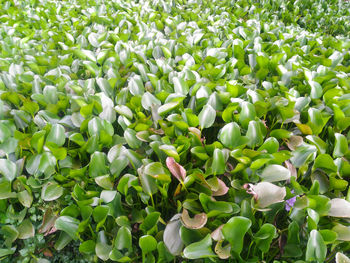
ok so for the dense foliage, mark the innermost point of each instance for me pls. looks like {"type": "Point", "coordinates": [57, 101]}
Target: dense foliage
{"type": "Point", "coordinates": [174, 131]}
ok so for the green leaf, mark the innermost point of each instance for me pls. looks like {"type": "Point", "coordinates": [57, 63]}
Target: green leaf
{"type": "Point", "coordinates": [104, 181]}
{"type": "Point", "coordinates": [47, 164]}
{"type": "Point", "coordinates": [105, 87]}
{"type": "Point", "coordinates": [318, 142]}
{"type": "Point", "coordinates": [97, 166]}
{"type": "Point", "coordinates": [5, 190]}
{"type": "Point", "coordinates": [8, 169]}
{"type": "Point", "coordinates": [302, 155]}
{"type": "Point", "coordinates": [93, 40]}
{"type": "Point", "coordinates": [264, 237]}
{"type": "Point", "coordinates": [56, 135]}
{"type": "Point", "coordinates": [342, 231]}
{"type": "Point", "coordinates": [87, 247]}
{"type": "Point", "coordinates": [207, 117]}
{"type": "Point", "coordinates": [88, 54]}
{"type": "Point", "coordinates": [325, 162]}
{"type": "Point", "coordinates": [7, 251]}
{"type": "Point", "coordinates": [147, 244]}
{"type": "Point", "coordinates": [275, 173]}
{"type": "Point", "coordinates": [124, 111]}
{"type": "Point", "coordinates": [58, 153]}
{"type": "Point", "coordinates": [214, 208]}
{"type": "Point", "coordinates": [234, 231]}
{"type": "Point", "coordinates": [123, 239]}
{"type": "Point", "coordinates": [102, 249]}
{"type": "Point", "coordinates": [26, 229]}
{"type": "Point", "coordinates": [280, 134]}
{"type": "Point", "coordinates": [254, 134]}
{"type": "Point", "coordinates": [50, 94]}
{"type": "Point", "coordinates": [136, 86]}
{"type": "Point", "coordinates": [247, 114]}
{"type": "Point", "coordinates": [99, 215]}
{"type": "Point", "coordinates": [316, 120]}
{"type": "Point", "coordinates": [292, 248]}
{"type": "Point", "coordinates": [51, 191]}
{"type": "Point", "coordinates": [316, 249]}
{"type": "Point", "coordinates": [340, 145]}
{"type": "Point", "coordinates": [5, 132]}
{"type": "Point", "coordinates": [218, 164]}
{"type": "Point", "coordinates": [10, 233]}
{"type": "Point", "coordinates": [167, 107]}
{"type": "Point", "coordinates": [200, 249]}
{"type": "Point", "coordinates": [63, 240]}
{"type": "Point", "coordinates": [328, 236]}
{"type": "Point", "coordinates": [107, 196]}
{"type": "Point", "coordinates": [150, 221]}
{"type": "Point", "coordinates": [230, 135]}
{"type": "Point", "coordinates": [148, 100]}
{"type": "Point", "coordinates": [69, 225]}
{"type": "Point", "coordinates": [200, 152]}
{"type": "Point", "coordinates": [93, 69]}
{"type": "Point", "coordinates": [118, 165]}
{"type": "Point", "coordinates": [170, 151]}
{"type": "Point", "coordinates": [171, 236]}
{"type": "Point", "coordinates": [163, 253]}
{"type": "Point", "coordinates": [77, 138]}
{"type": "Point", "coordinates": [316, 89]}
{"type": "Point", "coordinates": [180, 86]}
{"type": "Point", "coordinates": [131, 139]}
{"type": "Point", "coordinates": [148, 183]}
{"type": "Point", "coordinates": [271, 145]}
{"type": "Point", "coordinates": [25, 198]}
{"type": "Point", "coordinates": [157, 171]}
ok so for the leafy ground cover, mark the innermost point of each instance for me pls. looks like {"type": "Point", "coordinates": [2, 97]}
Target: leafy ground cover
{"type": "Point", "coordinates": [326, 17]}
{"type": "Point", "coordinates": [174, 131]}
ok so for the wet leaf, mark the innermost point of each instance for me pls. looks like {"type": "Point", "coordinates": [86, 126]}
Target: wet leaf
{"type": "Point", "coordinates": [51, 191]}
{"type": "Point", "coordinates": [171, 237]}
{"type": "Point", "coordinates": [234, 231]}
{"type": "Point", "coordinates": [147, 243]}
{"type": "Point", "coordinates": [230, 135]}
{"type": "Point", "coordinates": [69, 225]}
{"type": "Point", "coordinates": [264, 237]}
{"type": "Point", "coordinates": [8, 169]}
{"type": "Point", "coordinates": [56, 135]}
{"type": "Point", "coordinates": [26, 229]}
{"type": "Point", "coordinates": [218, 164]}
{"type": "Point", "coordinates": [340, 146]}
{"type": "Point", "coordinates": [207, 116]}
{"type": "Point", "coordinates": [275, 173]}
{"type": "Point", "coordinates": [200, 249]}
{"type": "Point", "coordinates": [316, 249]}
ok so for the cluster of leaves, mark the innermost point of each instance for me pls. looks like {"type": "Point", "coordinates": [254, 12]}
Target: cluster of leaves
{"type": "Point", "coordinates": [152, 131]}
{"type": "Point", "coordinates": [326, 17]}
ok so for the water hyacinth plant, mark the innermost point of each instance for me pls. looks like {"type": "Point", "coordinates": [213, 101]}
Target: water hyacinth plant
{"type": "Point", "coordinates": [174, 131]}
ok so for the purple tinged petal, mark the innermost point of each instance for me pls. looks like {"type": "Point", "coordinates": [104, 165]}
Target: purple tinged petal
{"type": "Point", "coordinates": [290, 203]}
